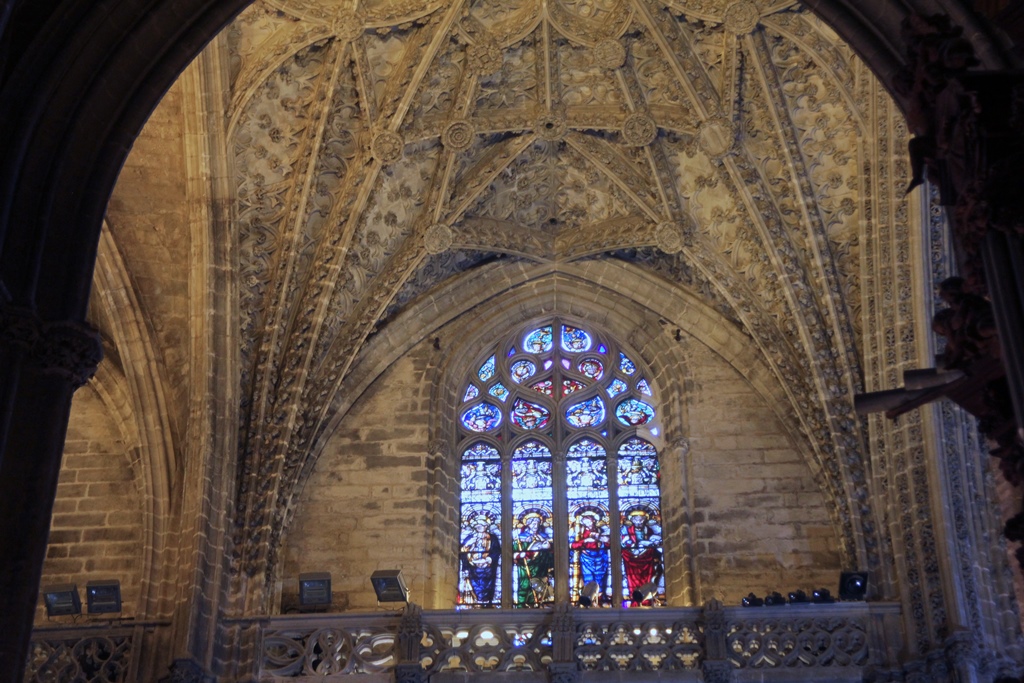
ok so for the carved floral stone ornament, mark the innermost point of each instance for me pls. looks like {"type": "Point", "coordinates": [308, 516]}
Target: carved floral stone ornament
{"type": "Point", "coordinates": [669, 237]}
{"type": "Point", "coordinates": [387, 147]}
{"type": "Point", "coordinates": [639, 130]}
{"type": "Point", "coordinates": [551, 125]}
{"type": "Point", "coordinates": [484, 57]}
{"type": "Point", "coordinates": [741, 17]}
{"type": "Point", "coordinates": [609, 54]}
{"type": "Point", "coordinates": [715, 136]}
{"type": "Point", "coordinates": [347, 25]}
{"type": "Point", "coordinates": [458, 135]}
{"type": "Point", "coordinates": [437, 238]}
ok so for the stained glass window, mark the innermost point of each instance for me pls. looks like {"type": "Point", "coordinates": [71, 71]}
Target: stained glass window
{"type": "Point", "coordinates": [560, 491]}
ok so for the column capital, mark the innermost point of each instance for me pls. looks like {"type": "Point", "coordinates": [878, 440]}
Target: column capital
{"type": "Point", "coordinates": [69, 349]}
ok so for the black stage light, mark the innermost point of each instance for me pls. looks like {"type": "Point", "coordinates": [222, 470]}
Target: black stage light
{"type": "Point", "coordinates": [315, 591]}
{"type": "Point", "coordinates": [822, 596]}
{"type": "Point", "coordinates": [389, 585]}
{"type": "Point", "coordinates": [798, 596]}
{"type": "Point", "coordinates": [103, 597]}
{"type": "Point", "coordinates": [752, 601]}
{"type": "Point", "coordinates": [646, 592]}
{"type": "Point", "coordinates": [853, 585]}
{"type": "Point", "coordinates": [62, 600]}
{"type": "Point", "coordinates": [773, 599]}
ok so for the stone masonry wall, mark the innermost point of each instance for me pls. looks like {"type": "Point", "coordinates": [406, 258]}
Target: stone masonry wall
{"type": "Point", "coordinates": [96, 530]}
{"type": "Point", "coordinates": [759, 521]}
{"type": "Point", "coordinates": [365, 505]}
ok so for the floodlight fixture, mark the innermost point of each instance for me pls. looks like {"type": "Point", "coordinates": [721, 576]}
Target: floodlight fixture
{"type": "Point", "coordinates": [853, 585]}
{"type": "Point", "coordinates": [314, 591]}
{"type": "Point", "coordinates": [591, 594]}
{"type": "Point", "coordinates": [62, 600]}
{"type": "Point", "coordinates": [752, 600]}
{"type": "Point", "coordinates": [798, 597]}
{"type": "Point", "coordinates": [773, 599]}
{"type": "Point", "coordinates": [822, 596]}
{"type": "Point", "coordinates": [103, 597]}
{"type": "Point", "coordinates": [389, 585]}
{"type": "Point", "coordinates": [648, 591]}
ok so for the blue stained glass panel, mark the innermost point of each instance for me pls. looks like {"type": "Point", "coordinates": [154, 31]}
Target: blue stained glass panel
{"type": "Point", "coordinates": [626, 365]}
{"type": "Point", "coordinates": [570, 386]}
{"type": "Point", "coordinates": [539, 340]}
{"type": "Point", "coordinates": [499, 391]}
{"type": "Point", "coordinates": [532, 449]}
{"type": "Point", "coordinates": [480, 479]}
{"type": "Point", "coordinates": [533, 553]}
{"type": "Point", "coordinates": [586, 475]}
{"type": "Point", "coordinates": [548, 363]}
{"type": "Point", "coordinates": [530, 473]}
{"type": "Point", "coordinates": [591, 367]}
{"type": "Point", "coordinates": [601, 348]}
{"type": "Point", "coordinates": [481, 451]}
{"type": "Point", "coordinates": [522, 370]}
{"type": "Point", "coordinates": [586, 448]}
{"type": "Point", "coordinates": [471, 393]}
{"type": "Point", "coordinates": [480, 554]}
{"type": "Point", "coordinates": [589, 413]}
{"type": "Point", "coordinates": [511, 352]}
{"type": "Point", "coordinates": [589, 547]}
{"type": "Point", "coordinates": [528, 415]}
{"type": "Point", "coordinates": [575, 340]}
{"type": "Point", "coordinates": [482, 417]}
{"type": "Point", "coordinates": [644, 387]}
{"type": "Point", "coordinates": [632, 412]}
{"type": "Point", "coordinates": [486, 370]}
{"type": "Point", "coordinates": [616, 387]}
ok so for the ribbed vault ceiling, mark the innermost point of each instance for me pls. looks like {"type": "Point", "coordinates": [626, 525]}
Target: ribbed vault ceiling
{"type": "Point", "coordinates": [383, 148]}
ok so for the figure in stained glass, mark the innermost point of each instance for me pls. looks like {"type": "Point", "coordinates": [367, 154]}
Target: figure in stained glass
{"type": "Point", "coordinates": [481, 476]}
{"type": "Point", "coordinates": [570, 386]}
{"type": "Point", "coordinates": [471, 393]}
{"type": "Point", "coordinates": [591, 367]}
{"type": "Point", "coordinates": [480, 557]}
{"type": "Point", "coordinates": [538, 341]}
{"type": "Point", "coordinates": [636, 472]}
{"type": "Point", "coordinates": [587, 473]}
{"type": "Point", "coordinates": [616, 387]}
{"type": "Point", "coordinates": [486, 370]}
{"type": "Point", "coordinates": [633, 413]}
{"type": "Point", "coordinates": [575, 340]}
{"type": "Point", "coordinates": [626, 365]}
{"type": "Point", "coordinates": [522, 370]}
{"type": "Point", "coordinates": [499, 391]}
{"type": "Point", "coordinates": [644, 387]}
{"type": "Point", "coordinates": [533, 555]}
{"type": "Point", "coordinates": [531, 473]}
{"type": "Point", "coordinates": [482, 418]}
{"type": "Point", "coordinates": [641, 546]}
{"type": "Point", "coordinates": [545, 387]}
{"type": "Point", "coordinates": [529, 415]}
{"type": "Point", "coordinates": [589, 538]}
{"type": "Point", "coordinates": [589, 413]}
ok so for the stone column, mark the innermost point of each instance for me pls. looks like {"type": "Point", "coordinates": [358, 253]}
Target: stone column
{"type": "Point", "coordinates": [41, 365]}
{"type": "Point", "coordinates": [716, 666]}
{"type": "Point", "coordinates": [563, 668]}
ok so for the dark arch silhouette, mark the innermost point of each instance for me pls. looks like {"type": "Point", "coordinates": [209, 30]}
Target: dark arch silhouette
{"type": "Point", "coordinates": [78, 79]}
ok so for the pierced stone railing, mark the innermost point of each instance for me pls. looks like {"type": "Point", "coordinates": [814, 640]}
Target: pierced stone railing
{"type": "Point", "coordinates": [83, 654]}
{"type": "Point", "coordinates": [792, 642]}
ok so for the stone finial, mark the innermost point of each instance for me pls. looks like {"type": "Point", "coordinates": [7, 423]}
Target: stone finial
{"type": "Point", "coordinates": [669, 237]}
{"type": "Point", "coordinates": [741, 17]}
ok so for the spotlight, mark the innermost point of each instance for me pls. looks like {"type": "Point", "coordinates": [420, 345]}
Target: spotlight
{"type": "Point", "coordinates": [797, 597]}
{"type": "Point", "coordinates": [822, 596]}
{"type": "Point", "coordinates": [103, 597]}
{"type": "Point", "coordinates": [774, 599]}
{"type": "Point", "coordinates": [315, 591]}
{"type": "Point", "coordinates": [752, 601]}
{"type": "Point", "coordinates": [389, 585]}
{"type": "Point", "coordinates": [853, 585]}
{"type": "Point", "coordinates": [590, 595]}
{"type": "Point", "coordinates": [62, 599]}
{"type": "Point", "coordinates": [543, 592]}
{"type": "Point", "coordinates": [646, 592]}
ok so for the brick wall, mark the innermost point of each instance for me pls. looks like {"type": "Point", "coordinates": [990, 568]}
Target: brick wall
{"type": "Point", "coordinates": [96, 531]}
